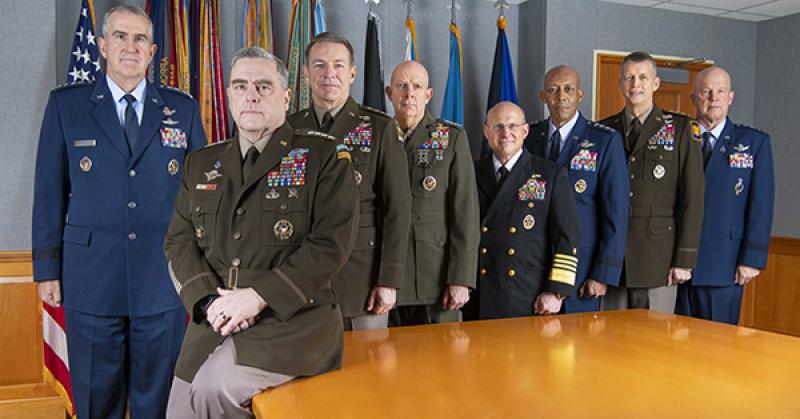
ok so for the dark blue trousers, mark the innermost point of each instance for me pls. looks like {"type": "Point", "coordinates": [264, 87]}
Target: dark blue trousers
{"type": "Point", "coordinates": [114, 359]}
{"type": "Point", "coordinates": [720, 304]}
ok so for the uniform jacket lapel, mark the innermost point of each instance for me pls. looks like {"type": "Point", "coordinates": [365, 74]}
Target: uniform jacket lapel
{"type": "Point", "coordinates": [537, 139]}
{"type": "Point", "coordinates": [617, 122]}
{"type": "Point", "coordinates": [507, 192]}
{"type": "Point", "coordinates": [151, 121]}
{"type": "Point", "coordinates": [105, 113]}
{"type": "Point", "coordinates": [653, 123]}
{"type": "Point", "coordinates": [231, 161]}
{"type": "Point", "coordinates": [421, 134]}
{"type": "Point", "coordinates": [726, 140]}
{"type": "Point", "coordinates": [345, 120]}
{"type": "Point", "coordinates": [278, 146]}
{"type": "Point", "coordinates": [571, 144]}
{"type": "Point", "coordinates": [487, 180]}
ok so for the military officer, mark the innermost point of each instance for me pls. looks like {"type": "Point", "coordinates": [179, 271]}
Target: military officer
{"type": "Point", "coordinates": [529, 224]}
{"type": "Point", "coordinates": [739, 199]}
{"type": "Point", "coordinates": [443, 237]}
{"type": "Point", "coordinates": [595, 159]}
{"type": "Point", "coordinates": [262, 223]}
{"type": "Point", "coordinates": [665, 166]}
{"type": "Point", "coordinates": [106, 176]}
{"type": "Point", "coordinates": [367, 285]}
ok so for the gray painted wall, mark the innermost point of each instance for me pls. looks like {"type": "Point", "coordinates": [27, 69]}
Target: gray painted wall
{"type": "Point", "coordinates": [776, 105]}
{"type": "Point", "coordinates": [575, 28]}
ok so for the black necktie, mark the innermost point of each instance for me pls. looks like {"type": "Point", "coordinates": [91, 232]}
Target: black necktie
{"type": "Point", "coordinates": [249, 161]}
{"type": "Point", "coordinates": [502, 174]}
{"type": "Point", "coordinates": [555, 145]}
{"type": "Point", "coordinates": [707, 148]}
{"type": "Point", "coordinates": [633, 134]}
{"type": "Point", "coordinates": [131, 122]}
{"type": "Point", "coordinates": [327, 122]}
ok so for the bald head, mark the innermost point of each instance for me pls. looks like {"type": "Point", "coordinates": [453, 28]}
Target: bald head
{"type": "Point", "coordinates": [505, 129]}
{"type": "Point", "coordinates": [409, 93]}
{"type": "Point", "coordinates": [562, 93]}
{"type": "Point", "coordinates": [712, 96]}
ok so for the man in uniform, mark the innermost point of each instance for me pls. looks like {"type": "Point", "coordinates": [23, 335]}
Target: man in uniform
{"type": "Point", "coordinates": [739, 198]}
{"type": "Point", "coordinates": [367, 285]}
{"type": "Point", "coordinates": [443, 241]}
{"type": "Point", "coordinates": [529, 224]}
{"type": "Point", "coordinates": [106, 176]}
{"type": "Point", "coordinates": [665, 165]}
{"type": "Point", "coordinates": [595, 159]}
{"type": "Point", "coordinates": [262, 223]}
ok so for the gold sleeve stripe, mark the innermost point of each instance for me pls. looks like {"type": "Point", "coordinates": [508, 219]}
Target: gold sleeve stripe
{"type": "Point", "coordinates": [565, 262]}
{"type": "Point", "coordinates": [560, 275]}
{"type": "Point", "coordinates": [565, 267]}
{"type": "Point", "coordinates": [566, 258]}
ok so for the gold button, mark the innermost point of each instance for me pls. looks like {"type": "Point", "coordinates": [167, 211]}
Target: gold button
{"type": "Point", "coordinates": [483, 271]}
{"type": "Point", "coordinates": [484, 250]}
{"type": "Point", "coordinates": [511, 251]}
{"type": "Point", "coordinates": [512, 229]}
{"type": "Point", "coordinates": [484, 229]}
{"type": "Point", "coordinates": [237, 235]}
{"type": "Point", "coordinates": [511, 272]}
{"type": "Point", "coordinates": [236, 262]}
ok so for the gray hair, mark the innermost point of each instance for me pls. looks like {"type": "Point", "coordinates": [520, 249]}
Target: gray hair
{"type": "Point", "coordinates": [258, 52]}
{"type": "Point", "coordinates": [127, 8]}
{"type": "Point", "coordinates": [333, 38]}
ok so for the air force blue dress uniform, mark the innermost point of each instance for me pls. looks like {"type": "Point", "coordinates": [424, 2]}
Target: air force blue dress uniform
{"type": "Point", "coordinates": [100, 214]}
{"type": "Point", "coordinates": [598, 173]}
{"type": "Point", "coordinates": [739, 199]}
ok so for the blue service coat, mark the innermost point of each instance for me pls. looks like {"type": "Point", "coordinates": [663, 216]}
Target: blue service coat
{"type": "Point", "coordinates": [739, 200]}
{"type": "Point", "coordinates": [598, 172]}
{"type": "Point", "coordinates": [101, 212]}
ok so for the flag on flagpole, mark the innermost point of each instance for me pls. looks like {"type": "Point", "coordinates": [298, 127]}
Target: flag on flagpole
{"type": "Point", "coordinates": [300, 30]}
{"type": "Point", "coordinates": [210, 82]}
{"type": "Point", "coordinates": [84, 62]}
{"type": "Point", "coordinates": [257, 24]}
{"type": "Point", "coordinates": [453, 105]}
{"type": "Point", "coordinates": [411, 39]}
{"type": "Point", "coordinates": [319, 18]}
{"type": "Point", "coordinates": [373, 69]}
{"type": "Point", "coordinates": [502, 87]}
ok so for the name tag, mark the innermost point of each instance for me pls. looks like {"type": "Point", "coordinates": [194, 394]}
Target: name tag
{"type": "Point", "coordinates": [85, 143]}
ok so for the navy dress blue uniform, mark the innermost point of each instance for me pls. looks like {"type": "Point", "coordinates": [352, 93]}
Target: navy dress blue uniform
{"type": "Point", "coordinates": [594, 156]}
{"type": "Point", "coordinates": [529, 236]}
{"type": "Point", "coordinates": [100, 215]}
{"type": "Point", "coordinates": [739, 199]}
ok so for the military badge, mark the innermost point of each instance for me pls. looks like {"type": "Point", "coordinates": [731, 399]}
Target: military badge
{"type": "Point", "coordinates": [740, 160]}
{"type": "Point", "coordinates": [664, 136]}
{"type": "Point", "coordinates": [358, 177]}
{"type": "Point", "coordinates": [585, 160]}
{"type": "Point", "coordinates": [169, 121]}
{"type": "Point", "coordinates": [533, 189]}
{"type": "Point", "coordinates": [172, 167]}
{"type": "Point", "coordinates": [580, 186]}
{"type": "Point", "coordinates": [214, 174]}
{"type": "Point", "coordinates": [85, 143]}
{"type": "Point", "coordinates": [283, 229]}
{"type": "Point", "coordinates": [739, 188]}
{"type": "Point", "coordinates": [696, 135]}
{"type": "Point", "coordinates": [528, 222]}
{"type": "Point", "coordinates": [423, 157]}
{"type": "Point", "coordinates": [439, 139]}
{"type": "Point", "coordinates": [586, 144]}
{"type": "Point", "coordinates": [167, 111]}
{"type": "Point", "coordinates": [659, 171]}
{"type": "Point", "coordinates": [272, 194]}
{"type": "Point", "coordinates": [429, 183]}
{"type": "Point", "coordinates": [205, 187]}
{"type": "Point", "coordinates": [343, 152]}
{"type": "Point", "coordinates": [293, 194]}
{"type": "Point", "coordinates": [85, 164]}
{"type": "Point", "coordinates": [741, 148]}
{"type": "Point", "coordinates": [292, 170]}
{"type": "Point", "coordinates": [199, 232]}
{"type": "Point", "coordinates": [173, 137]}
{"type": "Point", "coordinates": [359, 136]}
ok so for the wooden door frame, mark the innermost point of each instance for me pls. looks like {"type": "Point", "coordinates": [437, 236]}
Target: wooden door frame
{"type": "Point", "coordinates": [666, 61]}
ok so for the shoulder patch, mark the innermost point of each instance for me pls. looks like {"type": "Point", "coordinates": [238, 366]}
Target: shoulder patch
{"type": "Point", "coordinates": [373, 110]}
{"type": "Point", "coordinates": [175, 90]}
{"type": "Point", "coordinates": [676, 113]}
{"type": "Point", "coordinates": [311, 133]}
{"type": "Point", "coordinates": [696, 131]}
{"type": "Point", "coordinates": [450, 123]}
{"type": "Point", "coordinates": [343, 152]}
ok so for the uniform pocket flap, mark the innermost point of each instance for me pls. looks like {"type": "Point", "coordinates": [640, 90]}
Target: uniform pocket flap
{"type": "Point", "coordinates": [662, 225]}
{"type": "Point", "coordinates": [435, 235]}
{"type": "Point", "coordinates": [737, 231]}
{"type": "Point", "coordinates": [207, 202]}
{"type": "Point", "coordinates": [77, 235]}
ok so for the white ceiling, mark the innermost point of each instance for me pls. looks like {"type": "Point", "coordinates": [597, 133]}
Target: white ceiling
{"type": "Point", "coordinates": [752, 10]}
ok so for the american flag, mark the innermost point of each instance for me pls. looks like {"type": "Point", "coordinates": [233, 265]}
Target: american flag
{"type": "Point", "coordinates": [84, 61]}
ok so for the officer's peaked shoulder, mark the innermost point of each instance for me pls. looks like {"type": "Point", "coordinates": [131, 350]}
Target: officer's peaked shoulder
{"type": "Point", "coordinates": [175, 90]}
{"type": "Point", "coordinates": [218, 143]}
{"type": "Point", "coordinates": [449, 124]}
{"type": "Point", "coordinates": [368, 109]}
{"type": "Point", "coordinates": [75, 85]}
{"type": "Point", "coordinates": [600, 127]}
{"type": "Point", "coordinates": [677, 114]}
{"type": "Point", "coordinates": [748, 128]}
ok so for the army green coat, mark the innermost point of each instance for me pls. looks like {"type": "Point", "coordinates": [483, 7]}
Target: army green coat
{"type": "Point", "coordinates": [666, 207]}
{"type": "Point", "coordinates": [379, 161]}
{"type": "Point", "coordinates": [444, 235]}
{"type": "Point", "coordinates": [284, 241]}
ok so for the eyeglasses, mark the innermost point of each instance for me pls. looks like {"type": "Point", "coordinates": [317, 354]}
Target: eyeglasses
{"type": "Point", "coordinates": [510, 127]}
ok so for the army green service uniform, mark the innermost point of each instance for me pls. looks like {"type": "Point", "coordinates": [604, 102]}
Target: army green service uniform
{"type": "Point", "coordinates": [379, 254]}
{"type": "Point", "coordinates": [665, 165]}
{"type": "Point", "coordinates": [444, 235]}
{"type": "Point", "coordinates": [284, 231]}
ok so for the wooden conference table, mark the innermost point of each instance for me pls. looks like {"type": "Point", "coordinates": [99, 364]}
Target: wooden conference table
{"type": "Point", "coordinates": [619, 364]}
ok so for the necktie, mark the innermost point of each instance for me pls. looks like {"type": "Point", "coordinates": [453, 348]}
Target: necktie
{"type": "Point", "coordinates": [633, 134]}
{"type": "Point", "coordinates": [327, 122]}
{"type": "Point", "coordinates": [249, 161]}
{"type": "Point", "coordinates": [131, 122]}
{"type": "Point", "coordinates": [555, 145]}
{"type": "Point", "coordinates": [707, 148]}
{"type": "Point", "coordinates": [502, 174]}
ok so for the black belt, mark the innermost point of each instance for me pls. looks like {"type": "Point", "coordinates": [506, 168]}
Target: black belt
{"type": "Point", "coordinates": [650, 211]}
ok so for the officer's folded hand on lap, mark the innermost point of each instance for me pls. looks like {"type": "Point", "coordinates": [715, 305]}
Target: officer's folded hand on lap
{"type": "Point", "coordinates": [235, 310]}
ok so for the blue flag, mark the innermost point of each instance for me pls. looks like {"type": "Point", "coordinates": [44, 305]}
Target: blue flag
{"type": "Point", "coordinates": [453, 106]}
{"type": "Point", "coordinates": [319, 18]}
{"type": "Point", "coordinates": [502, 88]}
{"type": "Point", "coordinates": [84, 61]}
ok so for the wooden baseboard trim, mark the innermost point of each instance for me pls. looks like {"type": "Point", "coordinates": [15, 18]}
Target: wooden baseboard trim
{"type": "Point", "coordinates": [16, 263]}
{"type": "Point", "coordinates": [27, 391]}
{"type": "Point", "coordinates": [788, 246]}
